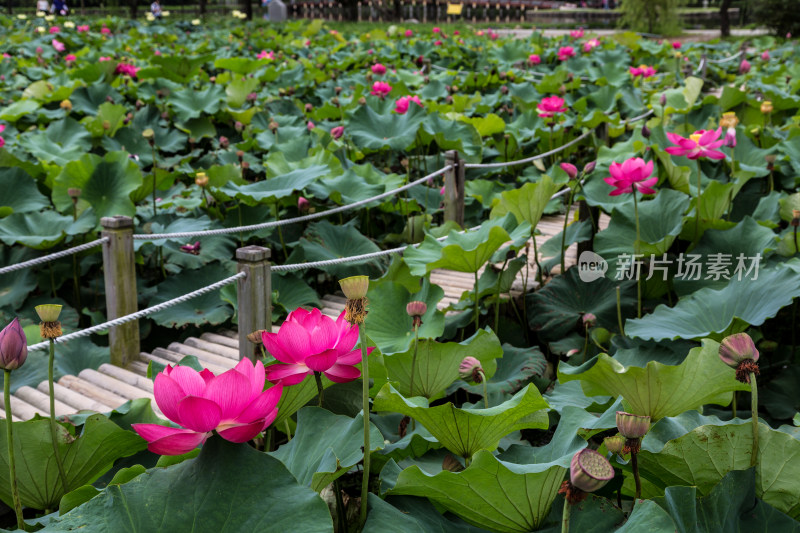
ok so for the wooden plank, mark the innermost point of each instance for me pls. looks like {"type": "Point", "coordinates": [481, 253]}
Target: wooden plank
{"type": "Point", "coordinates": [146, 358]}
{"type": "Point", "coordinates": [203, 355]}
{"type": "Point", "coordinates": [221, 339]}
{"type": "Point", "coordinates": [41, 400]}
{"type": "Point", "coordinates": [172, 358]}
{"type": "Point", "coordinates": [139, 367]}
{"type": "Point", "coordinates": [140, 382]}
{"type": "Point", "coordinates": [129, 392]}
{"type": "Point", "coordinates": [78, 401]}
{"type": "Point", "coordinates": [213, 347]}
{"type": "Point", "coordinates": [335, 298]}
{"type": "Point", "coordinates": [13, 416]}
{"type": "Point", "coordinates": [92, 391]}
{"type": "Point", "coordinates": [21, 409]}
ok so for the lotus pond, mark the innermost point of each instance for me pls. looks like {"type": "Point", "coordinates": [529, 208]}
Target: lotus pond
{"type": "Point", "coordinates": [617, 394]}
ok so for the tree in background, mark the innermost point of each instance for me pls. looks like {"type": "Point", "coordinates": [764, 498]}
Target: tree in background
{"type": "Point", "coordinates": [652, 16]}
{"type": "Point", "coordinates": [781, 16]}
{"type": "Point", "coordinates": [724, 18]}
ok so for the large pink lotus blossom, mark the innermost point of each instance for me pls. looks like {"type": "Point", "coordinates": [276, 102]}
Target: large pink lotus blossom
{"type": "Point", "coordinates": [105, 31]}
{"type": "Point", "coordinates": [379, 69]}
{"type": "Point", "coordinates": [58, 45]}
{"type": "Point", "coordinates": [409, 33]}
{"type": "Point", "coordinates": [70, 58]}
{"type": "Point", "coordinates": [534, 59]}
{"type": "Point", "coordinates": [436, 29]}
{"type": "Point", "coordinates": [551, 105]}
{"type": "Point", "coordinates": [565, 52]}
{"type": "Point", "coordinates": [54, 30]}
{"type": "Point", "coordinates": [634, 173]}
{"type": "Point", "coordinates": [402, 104]}
{"type": "Point", "coordinates": [590, 45]}
{"type": "Point", "coordinates": [309, 342]}
{"type": "Point", "coordinates": [83, 28]}
{"type": "Point", "coordinates": [234, 404]}
{"type": "Point", "coordinates": [645, 71]}
{"type": "Point", "coordinates": [381, 88]}
{"type": "Point", "coordinates": [126, 69]}
{"type": "Point", "coordinates": [702, 143]}
{"type": "Point", "coordinates": [576, 34]}
{"type": "Point", "coordinates": [266, 55]}
{"type": "Point", "coordinates": [676, 45]}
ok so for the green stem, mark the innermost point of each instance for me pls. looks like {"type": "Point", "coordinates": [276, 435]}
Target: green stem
{"type": "Point", "coordinates": [61, 472]}
{"type": "Point", "coordinates": [733, 404]}
{"type": "Point", "coordinates": [362, 338]}
{"type": "Point", "coordinates": [154, 179]}
{"type": "Point", "coordinates": [280, 233]}
{"type": "Point", "coordinates": [565, 517]}
{"type": "Point", "coordinates": [754, 415]}
{"type": "Point", "coordinates": [497, 298]}
{"type": "Point", "coordinates": [288, 430]}
{"type": "Point", "coordinates": [585, 343]}
{"type": "Point", "coordinates": [699, 186]}
{"type": "Point", "coordinates": [635, 465]}
{"type": "Point", "coordinates": [485, 390]}
{"type": "Point", "coordinates": [414, 359]}
{"type": "Point", "coordinates": [341, 512]}
{"type": "Point", "coordinates": [318, 379]}
{"type": "Point", "coordinates": [564, 233]}
{"type": "Point", "coordinates": [477, 310]}
{"type": "Point", "coordinates": [10, 443]}
{"type": "Point", "coordinates": [536, 258]}
{"type": "Point", "coordinates": [636, 257]}
{"type": "Point", "coordinates": [619, 313]}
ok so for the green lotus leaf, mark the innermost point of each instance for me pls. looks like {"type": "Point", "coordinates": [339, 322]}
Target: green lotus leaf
{"type": "Point", "coordinates": [85, 458]}
{"type": "Point", "coordinates": [223, 489]}
{"type": "Point", "coordinates": [20, 193]}
{"type": "Point", "coordinates": [468, 251]}
{"type": "Point", "coordinates": [718, 312]}
{"type": "Point", "coordinates": [437, 363]}
{"type": "Point", "coordinates": [63, 141]}
{"type": "Point", "coordinates": [325, 446]}
{"type": "Point", "coordinates": [15, 287]}
{"type": "Point", "coordinates": [490, 493]}
{"type": "Point", "coordinates": [108, 120]}
{"type": "Point", "coordinates": [324, 241]}
{"type": "Point", "coordinates": [401, 514]}
{"type": "Point", "coordinates": [191, 103]}
{"type": "Point", "coordinates": [179, 68]}
{"type": "Point", "coordinates": [19, 109]}
{"type": "Point", "coordinates": [40, 230]}
{"type": "Point", "coordinates": [106, 184]}
{"type": "Point", "coordinates": [660, 390]}
{"type": "Point", "coordinates": [528, 202]}
{"type": "Point", "coordinates": [372, 130]}
{"type": "Point", "coordinates": [388, 324]}
{"type": "Point", "coordinates": [273, 189]}
{"type": "Point", "coordinates": [466, 431]}
{"type": "Point", "coordinates": [206, 309]}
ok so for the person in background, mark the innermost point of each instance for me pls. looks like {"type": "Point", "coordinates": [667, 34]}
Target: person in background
{"type": "Point", "coordinates": [155, 9]}
{"type": "Point", "coordinates": [59, 7]}
{"type": "Point", "coordinates": [43, 5]}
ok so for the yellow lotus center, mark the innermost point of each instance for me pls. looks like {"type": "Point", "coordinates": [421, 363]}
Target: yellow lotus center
{"type": "Point", "coordinates": [696, 137]}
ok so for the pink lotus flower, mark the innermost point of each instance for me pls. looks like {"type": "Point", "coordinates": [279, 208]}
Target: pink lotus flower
{"type": "Point", "coordinates": [437, 30]}
{"type": "Point", "coordinates": [70, 58]}
{"type": "Point", "coordinates": [402, 104]}
{"type": "Point", "coordinates": [104, 58]}
{"type": "Point", "coordinates": [58, 45]}
{"type": "Point", "coordinates": [479, 33]}
{"type": "Point", "coordinates": [632, 174]}
{"type": "Point", "coordinates": [157, 52]}
{"type": "Point", "coordinates": [576, 34]}
{"type": "Point", "coordinates": [409, 33]}
{"type": "Point", "coordinates": [378, 69]}
{"type": "Point", "coordinates": [551, 105]}
{"type": "Point", "coordinates": [337, 132]}
{"type": "Point", "coordinates": [83, 28]}
{"type": "Point", "coordinates": [105, 31]}
{"type": "Point", "coordinates": [676, 45]}
{"type": "Point", "coordinates": [456, 32]}
{"type": "Point", "coordinates": [590, 45]}
{"type": "Point", "coordinates": [309, 342]}
{"type": "Point", "coordinates": [381, 88]}
{"type": "Point", "coordinates": [2, 141]}
{"type": "Point", "coordinates": [493, 36]}
{"type": "Point", "coordinates": [193, 249]}
{"type": "Point", "coordinates": [765, 56]}
{"type": "Point", "coordinates": [730, 137]}
{"type": "Point", "coordinates": [534, 59]}
{"type": "Point", "coordinates": [310, 126]}
{"type": "Point", "coordinates": [234, 404]}
{"type": "Point", "coordinates": [565, 52]}
{"type": "Point", "coordinates": [570, 169]}
{"type": "Point", "coordinates": [437, 42]}
{"type": "Point", "coordinates": [126, 69]}
{"type": "Point", "coordinates": [54, 30]}
{"type": "Point", "coordinates": [266, 55]}
{"type": "Point", "coordinates": [645, 71]}
{"type": "Point", "coordinates": [303, 204]}
{"type": "Point", "coordinates": [702, 143]}
{"type": "Point", "coordinates": [744, 67]}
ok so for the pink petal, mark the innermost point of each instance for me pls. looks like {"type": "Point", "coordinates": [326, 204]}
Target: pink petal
{"type": "Point", "coordinates": [321, 361]}
{"type": "Point", "coordinates": [169, 441]}
{"type": "Point", "coordinates": [675, 150]}
{"type": "Point", "coordinates": [352, 358]}
{"type": "Point", "coordinates": [648, 168]}
{"type": "Point", "coordinates": [231, 392]}
{"type": "Point", "coordinates": [674, 138]}
{"type": "Point", "coordinates": [254, 373]}
{"type": "Point", "coordinates": [272, 343]}
{"type": "Point", "coordinates": [207, 375]}
{"type": "Point", "coordinates": [714, 154]}
{"type": "Point", "coordinates": [295, 340]}
{"type": "Point", "coordinates": [324, 335]}
{"type": "Point", "coordinates": [709, 136]}
{"type": "Point", "coordinates": [199, 414]}
{"type": "Point", "coordinates": [168, 395]}
{"type": "Point", "coordinates": [342, 373]}
{"type": "Point", "coordinates": [189, 380]}
{"type": "Point", "coordinates": [615, 170]}
{"type": "Point", "coordinates": [244, 432]}
{"type": "Point", "coordinates": [287, 374]}
{"type": "Point", "coordinates": [261, 406]}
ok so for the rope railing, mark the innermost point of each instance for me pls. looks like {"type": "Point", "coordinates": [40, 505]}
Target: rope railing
{"type": "Point", "coordinates": [726, 59]}
{"type": "Point", "coordinates": [51, 257]}
{"type": "Point", "coordinates": [532, 158]}
{"type": "Point", "coordinates": [295, 220]}
{"type": "Point", "coordinates": [141, 314]}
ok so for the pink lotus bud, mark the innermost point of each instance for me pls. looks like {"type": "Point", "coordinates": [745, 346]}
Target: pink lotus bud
{"type": "Point", "coordinates": [632, 426]}
{"type": "Point", "coordinates": [303, 204]}
{"type": "Point", "coordinates": [730, 137]}
{"type": "Point", "coordinates": [337, 132]}
{"type": "Point", "coordinates": [736, 348]}
{"type": "Point", "coordinates": [378, 69]}
{"type": "Point", "coordinates": [676, 45]}
{"type": "Point", "coordinates": [470, 370]}
{"type": "Point", "coordinates": [437, 30]}
{"type": "Point", "coordinates": [765, 56]}
{"type": "Point", "coordinates": [534, 59]}
{"type": "Point", "coordinates": [589, 471]}
{"type": "Point", "coordinates": [437, 42]}
{"type": "Point", "coordinates": [416, 308]}
{"type": "Point", "coordinates": [310, 126]}
{"type": "Point", "coordinates": [663, 100]}
{"type": "Point", "coordinates": [588, 168]}
{"type": "Point", "coordinates": [224, 142]}
{"type": "Point", "coordinates": [744, 67]}
{"type": "Point", "coordinates": [615, 444]}
{"type": "Point", "coordinates": [13, 346]}
{"type": "Point", "coordinates": [39, 50]}
{"type": "Point", "coordinates": [570, 169]}
{"type": "Point", "coordinates": [252, 97]}
{"type": "Point", "coordinates": [238, 126]}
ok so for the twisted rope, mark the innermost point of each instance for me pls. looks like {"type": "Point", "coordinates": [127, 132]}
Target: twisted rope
{"type": "Point", "coordinates": [143, 313]}
{"type": "Point", "coordinates": [50, 257]}
{"type": "Point", "coordinates": [725, 60]}
{"type": "Point", "coordinates": [284, 222]}
{"type": "Point", "coordinates": [529, 159]}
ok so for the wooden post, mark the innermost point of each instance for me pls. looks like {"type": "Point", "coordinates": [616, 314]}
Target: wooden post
{"type": "Point", "coordinates": [253, 295]}
{"type": "Point", "coordinates": [119, 274]}
{"type": "Point", "coordinates": [454, 188]}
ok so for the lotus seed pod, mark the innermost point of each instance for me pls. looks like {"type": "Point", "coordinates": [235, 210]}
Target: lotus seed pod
{"type": "Point", "coordinates": [589, 471]}
{"type": "Point", "coordinates": [416, 308]}
{"type": "Point", "coordinates": [470, 370]}
{"type": "Point", "coordinates": [201, 179]}
{"type": "Point", "coordinates": [632, 426]}
{"type": "Point", "coordinates": [737, 348]}
{"type": "Point", "coordinates": [354, 287]}
{"type": "Point", "coordinates": [615, 444]}
{"type": "Point", "coordinates": [48, 312]}
{"type": "Point", "coordinates": [766, 107]}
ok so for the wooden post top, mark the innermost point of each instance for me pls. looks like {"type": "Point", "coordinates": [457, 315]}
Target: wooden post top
{"type": "Point", "coordinates": [252, 254]}
{"type": "Point", "coordinates": [116, 222]}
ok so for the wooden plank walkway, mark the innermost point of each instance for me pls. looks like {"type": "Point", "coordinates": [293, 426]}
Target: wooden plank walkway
{"type": "Point", "coordinates": [109, 387]}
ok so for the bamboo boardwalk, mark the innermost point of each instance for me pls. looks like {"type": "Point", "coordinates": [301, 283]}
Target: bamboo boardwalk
{"type": "Point", "coordinates": [109, 387]}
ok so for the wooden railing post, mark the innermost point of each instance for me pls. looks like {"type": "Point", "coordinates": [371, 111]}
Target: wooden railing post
{"type": "Point", "coordinates": [119, 274]}
{"type": "Point", "coordinates": [454, 188]}
{"type": "Point", "coordinates": [253, 295]}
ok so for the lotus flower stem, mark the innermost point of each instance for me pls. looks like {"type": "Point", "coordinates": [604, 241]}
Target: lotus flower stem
{"type": "Point", "coordinates": [280, 233]}
{"type": "Point", "coordinates": [10, 442]}
{"type": "Point", "coordinates": [318, 379]}
{"type": "Point", "coordinates": [414, 359]}
{"type": "Point", "coordinates": [497, 297]}
{"type": "Point", "coordinates": [153, 146]}
{"type": "Point", "coordinates": [288, 430]}
{"type": "Point", "coordinates": [754, 416]}
{"type": "Point", "coordinates": [619, 313]}
{"type": "Point", "coordinates": [536, 257]}
{"type": "Point", "coordinates": [485, 390]}
{"type": "Point", "coordinates": [635, 466]}
{"type": "Point", "coordinates": [564, 231]}
{"type": "Point", "coordinates": [635, 257]}
{"type": "Point", "coordinates": [699, 185]}
{"type": "Point", "coordinates": [477, 304]}
{"type": "Point", "coordinates": [733, 404]}
{"type": "Point", "coordinates": [53, 434]}
{"type": "Point", "coordinates": [362, 338]}
{"type": "Point", "coordinates": [565, 517]}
